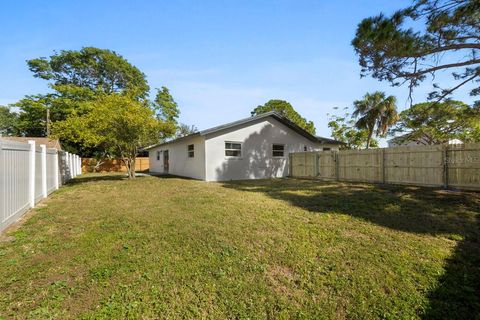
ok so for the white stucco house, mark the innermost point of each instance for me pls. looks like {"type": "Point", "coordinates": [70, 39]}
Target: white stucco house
{"type": "Point", "coordinates": [252, 148]}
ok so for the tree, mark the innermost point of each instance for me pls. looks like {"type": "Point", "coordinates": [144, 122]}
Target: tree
{"type": "Point", "coordinates": [343, 129]}
{"type": "Point", "coordinates": [185, 130]}
{"type": "Point", "coordinates": [165, 106]}
{"type": "Point", "coordinates": [115, 122]}
{"type": "Point", "coordinates": [390, 50]}
{"type": "Point", "coordinates": [427, 123]}
{"type": "Point", "coordinates": [8, 122]}
{"type": "Point", "coordinates": [98, 70]}
{"type": "Point", "coordinates": [285, 109]}
{"type": "Point", "coordinates": [77, 77]}
{"type": "Point", "coordinates": [375, 113]}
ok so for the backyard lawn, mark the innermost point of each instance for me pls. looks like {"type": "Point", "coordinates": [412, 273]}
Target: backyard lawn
{"type": "Point", "coordinates": [104, 247]}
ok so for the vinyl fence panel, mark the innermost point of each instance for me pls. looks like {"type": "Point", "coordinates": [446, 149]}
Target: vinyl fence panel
{"type": "Point", "coordinates": [38, 174]}
{"type": "Point", "coordinates": [51, 168]}
{"type": "Point", "coordinates": [28, 173]}
{"type": "Point", "coordinates": [14, 186]}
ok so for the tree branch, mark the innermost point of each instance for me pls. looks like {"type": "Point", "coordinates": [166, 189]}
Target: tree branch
{"type": "Point", "coordinates": [420, 72]}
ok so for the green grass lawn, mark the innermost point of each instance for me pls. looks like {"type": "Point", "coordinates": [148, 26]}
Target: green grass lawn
{"type": "Point", "coordinates": [103, 247]}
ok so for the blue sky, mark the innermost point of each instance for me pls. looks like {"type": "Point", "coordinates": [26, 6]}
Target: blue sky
{"type": "Point", "coordinates": [219, 59]}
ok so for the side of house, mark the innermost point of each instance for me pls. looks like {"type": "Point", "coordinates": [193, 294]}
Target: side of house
{"type": "Point", "coordinates": [252, 148]}
{"type": "Point", "coordinates": [182, 157]}
{"type": "Point", "coordinates": [255, 150]}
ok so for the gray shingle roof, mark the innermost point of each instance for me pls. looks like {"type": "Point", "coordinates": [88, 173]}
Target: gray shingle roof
{"type": "Point", "coordinates": [273, 114]}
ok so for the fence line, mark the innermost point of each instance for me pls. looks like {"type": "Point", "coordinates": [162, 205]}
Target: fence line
{"type": "Point", "coordinates": [28, 174]}
{"type": "Point", "coordinates": [448, 166]}
{"type": "Point", "coordinates": [113, 165]}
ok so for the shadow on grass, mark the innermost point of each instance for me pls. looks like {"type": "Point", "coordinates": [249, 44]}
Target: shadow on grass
{"type": "Point", "coordinates": [408, 209]}
{"type": "Point", "coordinates": [96, 177]}
{"type": "Point", "coordinates": [118, 176]}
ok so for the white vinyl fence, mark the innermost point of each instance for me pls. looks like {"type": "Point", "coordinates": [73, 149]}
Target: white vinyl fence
{"type": "Point", "coordinates": [28, 174]}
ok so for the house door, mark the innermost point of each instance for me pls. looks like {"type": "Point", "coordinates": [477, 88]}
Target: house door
{"type": "Point", "coordinates": [165, 161]}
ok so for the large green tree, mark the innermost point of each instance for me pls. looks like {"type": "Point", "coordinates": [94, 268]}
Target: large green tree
{"type": "Point", "coordinates": [116, 122]}
{"type": "Point", "coordinates": [165, 106]}
{"type": "Point", "coordinates": [376, 113]}
{"type": "Point", "coordinates": [98, 70]}
{"type": "Point", "coordinates": [8, 121]}
{"type": "Point", "coordinates": [429, 123]}
{"type": "Point", "coordinates": [76, 77]}
{"type": "Point", "coordinates": [427, 37]}
{"type": "Point", "coordinates": [285, 108]}
{"type": "Point", "coordinates": [185, 130]}
{"type": "Point", "coordinates": [343, 129]}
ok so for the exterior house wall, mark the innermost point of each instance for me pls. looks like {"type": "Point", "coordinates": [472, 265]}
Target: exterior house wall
{"type": "Point", "coordinates": [256, 161]}
{"type": "Point", "coordinates": [179, 162]}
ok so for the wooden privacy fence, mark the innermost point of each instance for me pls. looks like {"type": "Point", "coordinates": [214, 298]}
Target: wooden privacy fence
{"type": "Point", "coordinates": [448, 166]}
{"type": "Point", "coordinates": [113, 165]}
{"type": "Point", "coordinates": [29, 173]}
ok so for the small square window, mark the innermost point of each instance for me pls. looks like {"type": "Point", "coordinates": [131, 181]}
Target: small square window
{"type": "Point", "coordinates": [233, 149]}
{"type": "Point", "coordinates": [278, 150]}
{"type": "Point", "coordinates": [305, 148]}
{"type": "Point", "coordinates": [158, 155]}
{"type": "Point", "coordinates": [191, 150]}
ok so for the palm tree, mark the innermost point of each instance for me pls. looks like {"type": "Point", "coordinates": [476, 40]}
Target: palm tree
{"type": "Point", "coordinates": [376, 112]}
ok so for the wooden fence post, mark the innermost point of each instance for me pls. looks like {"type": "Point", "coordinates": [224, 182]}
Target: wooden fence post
{"type": "Point", "coordinates": [445, 166]}
{"type": "Point", "coordinates": [290, 172]}
{"type": "Point", "coordinates": [383, 166]}
{"type": "Point", "coordinates": [337, 164]}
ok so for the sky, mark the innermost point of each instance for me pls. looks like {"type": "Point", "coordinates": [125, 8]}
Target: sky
{"type": "Point", "coordinates": [220, 59]}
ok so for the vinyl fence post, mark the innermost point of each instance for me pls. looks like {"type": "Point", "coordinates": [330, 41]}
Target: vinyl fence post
{"type": "Point", "coordinates": [31, 173]}
{"type": "Point", "coordinates": [44, 169]}
{"type": "Point", "coordinates": [68, 170]}
{"type": "Point", "coordinates": [74, 165]}
{"type": "Point", "coordinates": [72, 168]}
{"type": "Point", "coordinates": [55, 169]}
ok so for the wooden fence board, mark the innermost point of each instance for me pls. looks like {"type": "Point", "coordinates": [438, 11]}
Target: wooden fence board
{"type": "Point", "coordinates": [113, 165]}
{"type": "Point", "coordinates": [456, 166]}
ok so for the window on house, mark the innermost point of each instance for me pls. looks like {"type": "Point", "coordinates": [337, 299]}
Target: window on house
{"type": "Point", "coordinates": [305, 148]}
{"type": "Point", "coordinates": [327, 149]}
{"type": "Point", "coordinates": [278, 150]}
{"type": "Point", "coordinates": [158, 155]}
{"type": "Point", "coordinates": [191, 150]}
{"type": "Point", "coordinates": [233, 149]}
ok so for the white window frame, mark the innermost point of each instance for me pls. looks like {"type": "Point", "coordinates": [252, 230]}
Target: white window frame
{"type": "Point", "coordinates": [283, 151]}
{"type": "Point", "coordinates": [192, 152]}
{"type": "Point", "coordinates": [233, 157]}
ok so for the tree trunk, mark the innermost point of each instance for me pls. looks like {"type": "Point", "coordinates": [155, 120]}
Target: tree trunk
{"type": "Point", "coordinates": [132, 168]}
{"type": "Point", "coordinates": [368, 139]}
{"type": "Point", "coordinates": [130, 164]}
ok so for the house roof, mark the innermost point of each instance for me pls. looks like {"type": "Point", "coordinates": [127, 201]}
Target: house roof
{"type": "Point", "coordinates": [50, 143]}
{"type": "Point", "coordinates": [272, 114]}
